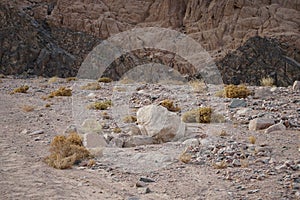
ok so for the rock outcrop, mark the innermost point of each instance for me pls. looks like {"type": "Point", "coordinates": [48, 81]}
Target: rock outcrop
{"type": "Point", "coordinates": [67, 30]}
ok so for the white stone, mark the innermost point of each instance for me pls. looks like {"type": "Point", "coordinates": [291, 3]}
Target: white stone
{"type": "Point", "coordinates": [296, 86]}
{"type": "Point", "coordinates": [276, 127]}
{"type": "Point", "coordinates": [159, 123]}
{"type": "Point", "coordinates": [192, 142]}
{"type": "Point", "coordinates": [260, 123]}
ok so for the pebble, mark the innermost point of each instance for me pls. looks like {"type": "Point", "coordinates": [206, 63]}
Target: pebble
{"type": "Point", "coordinates": [38, 132]}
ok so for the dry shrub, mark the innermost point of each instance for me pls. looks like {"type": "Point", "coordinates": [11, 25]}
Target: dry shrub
{"type": "Point", "coordinates": [22, 89]}
{"type": "Point", "coordinates": [198, 86]}
{"type": "Point", "coordinates": [105, 80]}
{"type": "Point", "coordinates": [53, 79]}
{"type": "Point", "coordinates": [223, 133]}
{"type": "Point", "coordinates": [27, 108]}
{"type": "Point", "coordinates": [69, 79]}
{"type": "Point", "coordinates": [220, 93]}
{"type": "Point", "coordinates": [220, 165]}
{"type": "Point", "coordinates": [234, 91]}
{"type": "Point", "coordinates": [129, 119]}
{"type": "Point", "coordinates": [100, 105]}
{"type": "Point", "coordinates": [117, 130]}
{"type": "Point", "coordinates": [185, 157]}
{"type": "Point", "coordinates": [267, 82]}
{"type": "Point", "coordinates": [91, 86]}
{"type": "Point", "coordinates": [169, 105]}
{"type": "Point", "coordinates": [48, 105]}
{"type": "Point", "coordinates": [62, 91]}
{"type": "Point", "coordinates": [199, 115]}
{"type": "Point", "coordinates": [252, 139]}
{"type": "Point", "coordinates": [65, 151]}
{"type": "Point", "coordinates": [91, 163]}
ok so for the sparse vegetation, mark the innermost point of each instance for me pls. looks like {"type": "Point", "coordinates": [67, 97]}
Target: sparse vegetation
{"type": "Point", "coordinates": [117, 130]}
{"type": "Point", "coordinates": [169, 105]}
{"type": "Point", "coordinates": [2, 76]}
{"type": "Point", "coordinates": [185, 157]}
{"type": "Point", "coordinates": [105, 80]}
{"type": "Point", "coordinates": [252, 139]}
{"type": "Point", "coordinates": [27, 108]}
{"type": "Point", "coordinates": [223, 133]}
{"type": "Point", "coordinates": [220, 94]}
{"type": "Point", "coordinates": [69, 79]}
{"type": "Point", "coordinates": [22, 89]}
{"type": "Point", "coordinates": [129, 119]}
{"type": "Point", "coordinates": [91, 163]}
{"type": "Point", "coordinates": [65, 151]}
{"type": "Point", "coordinates": [198, 86]}
{"type": "Point", "coordinates": [234, 91]}
{"type": "Point", "coordinates": [267, 81]}
{"type": "Point", "coordinates": [91, 86]}
{"type": "Point", "coordinates": [53, 79]}
{"type": "Point", "coordinates": [220, 165]}
{"type": "Point", "coordinates": [100, 105]}
{"type": "Point", "coordinates": [199, 115]}
{"type": "Point", "coordinates": [48, 105]}
{"type": "Point", "coordinates": [62, 91]}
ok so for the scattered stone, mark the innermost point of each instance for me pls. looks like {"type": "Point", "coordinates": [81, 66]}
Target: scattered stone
{"type": "Point", "coordinates": [38, 132]}
{"type": "Point", "coordinates": [253, 191]}
{"type": "Point", "coordinates": [140, 184]}
{"type": "Point", "coordinates": [192, 142]}
{"type": "Point", "coordinates": [235, 103]}
{"type": "Point", "coordinates": [260, 123]}
{"type": "Point", "coordinates": [94, 140]}
{"type": "Point", "coordinates": [25, 131]}
{"type": "Point", "coordinates": [146, 180]}
{"type": "Point", "coordinates": [159, 123]}
{"type": "Point", "coordinates": [116, 142]}
{"type": "Point", "coordinates": [71, 129]}
{"type": "Point", "coordinates": [296, 86]}
{"type": "Point", "coordinates": [138, 140]}
{"type": "Point", "coordinates": [276, 127]}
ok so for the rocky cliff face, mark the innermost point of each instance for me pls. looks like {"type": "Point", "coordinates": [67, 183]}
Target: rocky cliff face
{"type": "Point", "coordinates": [75, 27]}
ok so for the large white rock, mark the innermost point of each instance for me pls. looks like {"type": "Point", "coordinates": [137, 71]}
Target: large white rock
{"type": "Point", "coordinates": [159, 123]}
{"type": "Point", "coordinates": [296, 86]}
{"type": "Point", "coordinates": [260, 123]}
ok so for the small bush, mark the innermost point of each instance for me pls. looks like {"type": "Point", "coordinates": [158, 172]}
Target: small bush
{"type": "Point", "coordinates": [117, 130]}
{"type": "Point", "coordinates": [22, 89]}
{"type": "Point", "coordinates": [53, 79]}
{"type": "Point", "coordinates": [101, 105]}
{"type": "Point", "coordinates": [198, 86]}
{"type": "Point", "coordinates": [129, 119]}
{"type": "Point", "coordinates": [220, 93]}
{"type": "Point", "coordinates": [199, 115]}
{"type": "Point", "coordinates": [62, 91]}
{"type": "Point", "coordinates": [252, 139]}
{"type": "Point", "coordinates": [267, 82]}
{"type": "Point", "coordinates": [169, 105]}
{"type": "Point", "coordinates": [234, 91]}
{"type": "Point", "coordinates": [27, 108]}
{"type": "Point", "coordinates": [220, 165]}
{"type": "Point", "coordinates": [69, 79]}
{"type": "Point", "coordinates": [48, 105]}
{"type": "Point", "coordinates": [91, 163]}
{"type": "Point", "coordinates": [65, 151]}
{"type": "Point", "coordinates": [105, 80]}
{"type": "Point", "coordinates": [91, 86]}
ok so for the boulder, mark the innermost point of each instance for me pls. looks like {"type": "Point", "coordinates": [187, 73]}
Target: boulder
{"type": "Point", "coordinates": [94, 140]}
{"type": "Point", "coordinates": [235, 103]}
{"type": "Point", "coordinates": [160, 124]}
{"type": "Point", "coordinates": [276, 127]}
{"type": "Point", "coordinates": [296, 86]}
{"type": "Point", "coordinates": [138, 140]}
{"type": "Point", "coordinates": [260, 123]}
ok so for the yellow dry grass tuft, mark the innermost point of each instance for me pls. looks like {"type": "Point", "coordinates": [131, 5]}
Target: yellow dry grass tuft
{"type": "Point", "coordinates": [169, 105]}
{"type": "Point", "coordinates": [117, 130]}
{"type": "Point", "coordinates": [91, 86]}
{"type": "Point", "coordinates": [65, 151]}
{"type": "Point", "coordinates": [100, 105]}
{"type": "Point", "coordinates": [267, 82]}
{"type": "Point", "coordinates": [54, 79]}
{"type": "Point", "coordinates": [22, 89]}
{"type": "Point", "coordinates": [199, 115]}
{"type": "Point", "coordinates": [69, 79]}
{"type": "Point", "coordinates": [62, 91]}
{"type": "Point", "coordinates": [234, 91]}
{"type": "Point", "coordinates": [27, 108]}
{"type": "Point", "coordinates": [129, 119]}
{"type": "Point", "coordinates": [198, 86]}
{"type": "Point", "coordinates": [220, 165]}
{"type": "Point", "coordinates": [252, 139]}
{"type": "Point", "coordinates": [105, 80]}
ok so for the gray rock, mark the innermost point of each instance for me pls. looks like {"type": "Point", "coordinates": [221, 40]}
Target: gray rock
{"type": "Point", "coordinates": [116, 142]}
{"type": "Point", "coordinates": [260, 123]}
{"type": "Point", "coordinates": [192, 142]}
{"type": "Point", "coordinates": [138, 140]}
{"type": "Point", "coordinates": [94, 140]}
{"type": "Point", "coordinates": [38, 132]}
{"type": "Point", "coordinates": [235, 103]}
{"type": "Point", "coordinates": [91, 126]}
{"type": "Point", "coordinates": [71, 129]}
{"type": "Point", "coordinates": [159, 123]}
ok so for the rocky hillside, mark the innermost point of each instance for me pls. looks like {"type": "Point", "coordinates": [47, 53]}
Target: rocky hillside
{"type": "Point", "coordinates": [48, 37]}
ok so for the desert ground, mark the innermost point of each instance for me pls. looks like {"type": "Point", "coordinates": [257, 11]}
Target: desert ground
{"type": "Point", "coordinates": [267, 168]}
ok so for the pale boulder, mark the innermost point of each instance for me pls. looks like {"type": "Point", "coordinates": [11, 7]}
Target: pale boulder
{"type": "Point", "coordinates": [160, 124]}
{"type": "Point", "coordinates": [260, 123]}
{"type": "Point", "coordinates": [276, 127]}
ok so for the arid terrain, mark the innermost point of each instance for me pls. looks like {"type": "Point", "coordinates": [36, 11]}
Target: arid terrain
{"type": "Point", "coordinates": [267, 168]}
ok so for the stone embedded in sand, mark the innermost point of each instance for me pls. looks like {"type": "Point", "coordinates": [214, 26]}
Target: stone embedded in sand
{"type": "Point", "coordinates": [276, 127]}
{"type": "Point", "coordinates": [138, 140]}
{"type": "Point", "coordinates": [296, 86]}
{"type": "Point", "coordinates": [235, 103]}
{"type": "Point", "coordinates": [260, 123]}
{"type": "Point", "coordinates": [94, 140]}
{"type": "Point", "coordinates": [159, 123]}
